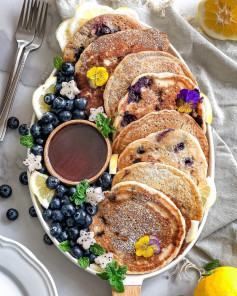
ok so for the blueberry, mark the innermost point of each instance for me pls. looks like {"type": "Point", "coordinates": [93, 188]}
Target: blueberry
{"type": "Point", "coordinates": [88, 221]}
{"type": "Point", "coordinates": [105, 30]}
{"type": "Point", "coordinates": [70, 222]}
{"type": "Point", "coordinates": [67, 69]}
{"type": "Point", "coordinates": [59, 103]}
{"type": "Point", "coordinates": [49, 98]}
{"type": "Point", "coordinates": [57, 88]}
{"type": "Point", "coordinates": [62, 237]}
{"type": "Point", "coordinates": [70, 78]}
{"type": "Point", "coordinates": [55, 121]}
{"type": "Point", "coordinates": [47, 129]}
{"type": "Point", "coordinates": [92, 258]}
{"type": "Point", "coordinates": [69, 105]}
{"type": "Point", "coordinates": [80, 217]}
{"type": "Point", "coordinates": [73, 233]}
{"type": "Point", "coordinates": [106, 181]}
{"type": "Point", "coordinates": [79, 114]}
{"type": "Point", "coordinates": [23, 178]}
{"type": "Point", "coordinates": [91, 210]}
{"type": "Point", "coordinates": [52, 182]}
{"type": "Point", "coordinates": [55, 204]}
{"type": "Point", "coordinates": [39, 141]}
{"type": "Point", "coordinates": [56, 111]}
{"type": "Point", "coordinates": [47, 240]}
{"type": "Point", "coordinates": [32, 212]}
{"type": "Point", "coordinates": [76, 252]}
{"type": "Point", "coordinates": [57, 216]}
{"type": "Point", "coordinates": [5, 191]}
{"type": "Point", "coordinates": [71, 191]}
{"type": "Point", "coordinates": [85, 229]}
{"type": "Point", "coordinates": [68, 210]}
{"type": "Point", "coordinates": [86, 253]}
{"type": "Point", "coordinates": [35, 130]}
{"type": "Point", "coordinates": [13, 122]}
{"type": "Point", "coordinates": [43, 170]}
{"type": "Point", "coordinates": [65, 200]}
{"type": "Point", "coordinates": [47, 117]}
{"type": "Point", "coordinates": [47, 213]}
{"type": "Point", "coordinates": [55, 223]}
{"type": "Point", "coordinates": [61, 190]}
{"type": "Point", "coordinates": [23, 129]}
{"type": "Point", "coordinates": [55, 230]}
{"type": "Point", "coordinates": [72, 243]}
{"type": "Point", "coordinates": [82, 206]}
{"type": "Point", "coordinates": [65, 116]}
{"type": "Point", "coordinates": [60, 77]}
{"type": "Point", "coordinates": [80, 103]}
{"type": "Point", "coordinates": [37, 150]}
{"type": "Point", "coordinates": [12, 214]}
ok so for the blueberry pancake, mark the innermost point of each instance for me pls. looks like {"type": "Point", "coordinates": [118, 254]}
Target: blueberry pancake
{"type": "Point", "coordinates": [175, 184]}
{"type": "Point", "coordinates": [131, 211]}
{"type": "Point", "coordinates": [158, 121]}
{"type": "Point", "coordinates": [134, 65]}
{"type": "Point", "coordinates": [94, 28]}
{"type": "Point", "coordinates": [150, 92]}
{"type": "Point", "coordinates": [108, 51]}
{"type": "Point", "coordinates": [177, 148]}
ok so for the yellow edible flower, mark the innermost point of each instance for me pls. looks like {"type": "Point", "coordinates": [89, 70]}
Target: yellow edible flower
{"type": "Point", "coordinates": [97, 76]}
{"type": "Point", "coordinates": [185, 109]}
{"type": "Point", "coordinates": [142, 247]}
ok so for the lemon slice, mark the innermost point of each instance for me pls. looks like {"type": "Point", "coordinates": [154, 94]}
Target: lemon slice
{"type": "Point", "coordinates": [208, 108]}
{"type": "Point", "coordinates": [39, 106]}
{"type": "Point", "coordinates": [113, 164]}
{"type": "Point", "coordinates": [85, 12]}
{"type": "Point", "coordinates": [127, 11]}
{"type": "Point", "coordinates": [192, 233]}
{"type": "Point", "coordinates": [207, 190]}
{"type": "Point", "coordinates": [218, 19]}
{"type": "Point", "coordinates": [62, 34]}
{"type": "Point", "coordinates": [39, 188]}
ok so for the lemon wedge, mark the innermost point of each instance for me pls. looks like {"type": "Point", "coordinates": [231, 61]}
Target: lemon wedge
{"type": "Point", "coordinates": [218, 19]}
{"type": "Point", "coordinates": [208, 108]}
{"type": "Point", "coordinates": [207, 190]}
{"type": "Point", "coordinates": [39, 188]}
{"type": "Point", "coordinates": [62, 34]}
{"type": "Point", "coordinates": [39, 106]}
{"type": "Point", "coordinates": [113, 164]}
{"type": "Point", "coordinates": [127, 11]}
{"type": "Point", "coordinates": [192, 233]}
{"type": "Point", "coordinates": [85, 12]}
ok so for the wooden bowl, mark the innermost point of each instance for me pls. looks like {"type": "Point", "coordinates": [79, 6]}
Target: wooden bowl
{"type": "Point", "coordinates": [50, 167]}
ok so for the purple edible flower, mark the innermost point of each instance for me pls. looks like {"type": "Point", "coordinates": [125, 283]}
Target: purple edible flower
{"type": "Point", "coordinates": [155, 244]}
{"type": "Point", "coordinates": [187, 100]}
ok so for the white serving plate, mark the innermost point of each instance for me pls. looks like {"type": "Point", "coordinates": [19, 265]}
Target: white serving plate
{"type": "Point", "coordinates": [21, 273]}
{"type": "Point", "coordinates": [136, 280]}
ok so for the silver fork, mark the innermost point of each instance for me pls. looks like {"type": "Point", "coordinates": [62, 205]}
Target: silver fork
{"type": "Point", "coordinates": [40, 14]}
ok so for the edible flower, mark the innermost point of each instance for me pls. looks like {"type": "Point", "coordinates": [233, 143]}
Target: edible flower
{"type": "Point", "coordinates": [94, 112]}
{"type": "Point", "coordinates": [69, 89]}
{"type": "Point", "coordinates": [94, 195]}
{"type": "Point", "coordinates": [103, 260]}
{"type": "Point", "coordinates": [33, 162]}
{"type": "Point", "coordinates": [86, 239]}
{"type": "Point", "coordinates": [187, 100]}
{"type": "Point", "coordinates": [97, 76]}
{"type": "Point", "coordinates": [147, 246]}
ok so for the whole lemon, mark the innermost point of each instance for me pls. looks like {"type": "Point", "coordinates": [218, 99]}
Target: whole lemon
{"type": "Point", "coordinates": [223, 282]}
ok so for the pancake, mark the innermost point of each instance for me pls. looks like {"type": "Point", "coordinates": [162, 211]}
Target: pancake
{"type": "Point", "coordinates": [130, 211]}
{"type": "Point", "coordinates": [150, 92]}
{"type": "Point", "coordinates": [174, 147]}
{"type": "Point", "coordinates": [94, 28]}
{"type": "Point", "coordinates": [108, 51]}
{"type": "Point", "coordinates": [134, 65]}
{"type": "Point", "coordinates": [158, 121]}
{"type": "Point", "coordinates": [175, 184]}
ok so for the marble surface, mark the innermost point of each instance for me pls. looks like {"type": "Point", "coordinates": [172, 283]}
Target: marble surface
{"type": "Point", "coordinates": [69, 278]}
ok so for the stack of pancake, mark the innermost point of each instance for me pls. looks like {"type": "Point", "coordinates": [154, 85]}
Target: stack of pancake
{"type": "Point", "coordinates": [163, 154]}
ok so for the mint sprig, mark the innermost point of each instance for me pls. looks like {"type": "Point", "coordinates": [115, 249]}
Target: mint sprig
{"type": "Point", "coordinates": [84, 262]}
{"type": "Point", "coordinates": [103, 124]}
{"type": "Point", "coordinates": [80, 195]}
{"type": "Point", "coordinates": [115, 275]}
{"type": "Point", "coordinates": [64, 246]}
{"type": "Point", "coordinates": [27, 141]}
{"type": "Point", "coordinates": [97, 249]}
{"type": "Point", "coordinates": [57, 62]}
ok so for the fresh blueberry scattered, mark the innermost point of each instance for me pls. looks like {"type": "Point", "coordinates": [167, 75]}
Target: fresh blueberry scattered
{"type": "Point", "coordinates": [55, 121]}
{"type": "Point", "coordinates": [69, 78]}
{"type": "Point", "coordinates": [47, 129]}
{"type": "Point", "coordinates": [65, 116]}
{"type": "Point", "coordinates": [88, 221]}
{"type": "Point", "coordinates": [13, 122]}
{"type": "Point", "coordinates": [5, 191]}
{"type": "Point", "coordinates": [52, 182]}
{"type": "Point", "coordinates": [57, 88]}
{"type": "Point", "coordinates": [12, 214]}
{"type": "Point", "coordinates": [55, 230]}
{"type": "Point", "coordinates": [61, 190]}
{"type": "Point", "coordinates": [49, 98]}
{"type": "Point", "coordinates": [47, 240]}
{"type": "Point", "coordinates": [32, 212]}
{"type": "Point", "coordinates": [57, 216]}
{"type": "Point", "coordinates": [81, 206]}
{"type": "Point", "coordinates": [69, 105]}
{"type": "Point", "coordinates": [72, 243]}
{"type": "Point", "coordinates": [71, 191]}
{"type": "Point", "coordinates": [80, 103]}
{"type": "Point", "coordinates": [23, 129]}
{"type": "Point", "coordinates": [65, 200]}
{"type": "Point", "coordinates": [68, 210]}
{"type": "Point", "coordinates": [59, 103]}
{"type": "Point", "coordinates": [47, 214]}
{"type": "Point", "coordinates": [60, 77]}
{"type": "Point", "coordinates": [80, 217]}
{"type": "Point", "coordinates": [47, 117]}
{"type": "Point", "coordinates": [106, 181]}
{"type": "Point", "coordinates": [55, 111]}
{"type": "Point", "coordinates": [91, 210]}
{"type": "Point", "coordinates": [73, 233]}
{"type": "Point", "coordinates": [23, 178]}
{"type": "Point", "coordinates": [62, 237]}
{"type": "Point", "coordinates": [39, 141]}
{"type": "Point", "coordinates": [70, 222]}
{"type": "Point", "coordinates": [35, 130]}
{"type": "Point", "coordinates": [67, 69]}
{"type": "Point", "coordinates": [76, 252]}
{"type": "Point", "coordinates": [55, 204]}
{"type": "Point", "coordinates": [79, 114]}
{"type": "Point", "coordinates": [92, 258]}
{"type": "Point", "coordinates": [37, 150]}
{"type": "Point", "coordinates": [86, 253]}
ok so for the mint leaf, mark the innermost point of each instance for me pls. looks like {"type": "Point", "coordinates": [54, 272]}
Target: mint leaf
{"type": "Point", "coordinates": [103, 276]}
{"type": "Point", "coordinates": [27, 141]}
{"type": "Point", "coordinates": [213, 264]}
{"type": "Point", "coordinates": [115, 264]}
{"type": "Point", "coordinates": [122, 270]}
{"type": "Point", "coordinates": [97, 249]}
{"type": "Point", "coordinates": [64, 246]}
{"type": "Point", "coordinates": [57, 62]}
{"type": "Point", "coordinates": [103, 123]}
{"type": "Point", "coordinates": [119, 287]}
{"type": "Point", "coordinates": [84, 262]}
{"type": "Point", "coordinates": [80, 195]}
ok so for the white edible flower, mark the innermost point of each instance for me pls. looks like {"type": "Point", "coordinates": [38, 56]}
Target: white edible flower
{"type": "Point", "coordinates": [86, 239]}
{"type": "Point", "coordinates": [33, 162]}
{"type": "Point", "coordinates": [94, 112]}
{"type": "Point", "coordinates": [69, 89]}
{"type": "Point", "coordinates": [103, 260]}
{"type": "Point", "coordinates": [94, 195]}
